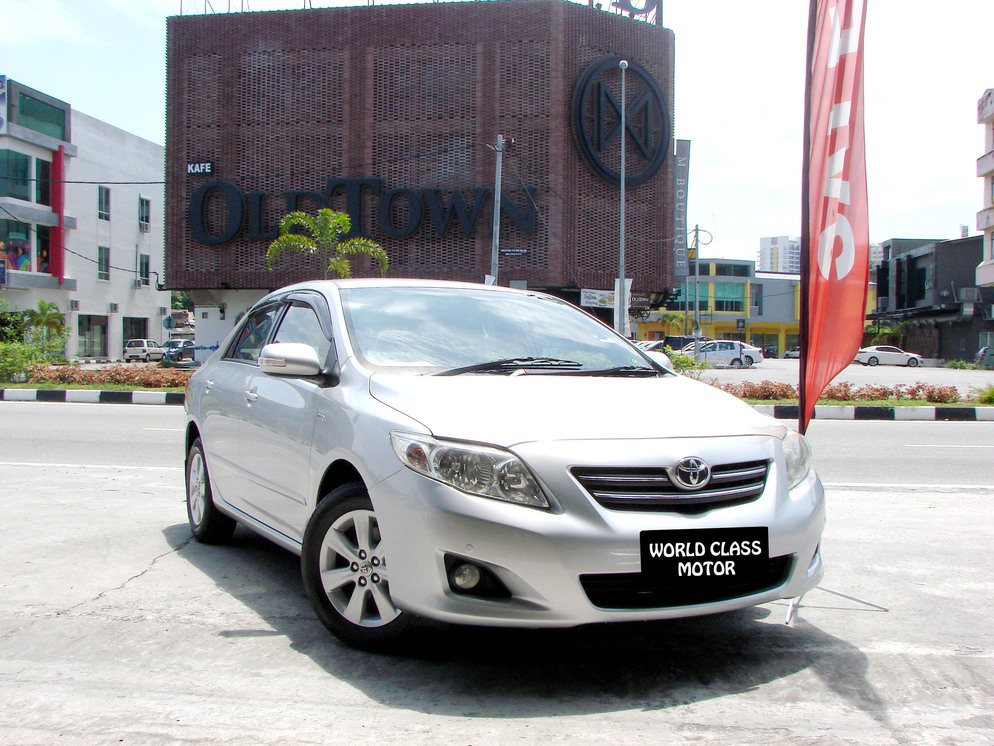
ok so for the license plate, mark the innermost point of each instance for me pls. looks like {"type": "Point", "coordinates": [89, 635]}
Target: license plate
{"type": "Point", "coordinates": [708, 557]}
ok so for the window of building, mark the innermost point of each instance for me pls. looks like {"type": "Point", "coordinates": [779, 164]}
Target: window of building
{"type": "Point", "coordinates": [43, 182]}
{"type": "Point", "coordinates": [103, 203]}
{"type": "Point", "coordinates": [15, 244]}
{"type": "Point", "coordinates": [143, 268]}
{"type": "Point", "coordinates": [729, 297]}
{"type": "Point", "coordinates": [731, 270]}
{"type": "Point", "coordinates": [14, 175]}
{"type": "Point", "coordinates": [103, 262]}
{"type": "Point", "coordinates": [41, 117]}
{"type": "Point", "coordinates": [44, 250]}
{"type": "Point", "coordinates": [144, 213]}
{"type": "Point", "coordinates": [685, 297]}
{"type": "Point", "coordinates": [134, 327]}
{"type": "Point", "coordinates": [756, 299]}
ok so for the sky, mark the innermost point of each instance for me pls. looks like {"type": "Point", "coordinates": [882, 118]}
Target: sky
{"type": "Point", "coordinates": [738, 98]}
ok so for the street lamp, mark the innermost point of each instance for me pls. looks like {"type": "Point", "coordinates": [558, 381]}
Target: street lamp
{"type": "Point", "coordinates": [622, 316]}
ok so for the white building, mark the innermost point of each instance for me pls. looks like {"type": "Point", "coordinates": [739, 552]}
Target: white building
{"type": "Point", "coordinates": [779, 254]}
{"type": "Point", "coordinates": [81, 222]}
{"type": "Point", "coordinates": [985, 170]}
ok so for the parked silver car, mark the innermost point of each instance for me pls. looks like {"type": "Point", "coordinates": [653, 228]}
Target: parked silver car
{"type": "Point", "coordinates": [481, 455]}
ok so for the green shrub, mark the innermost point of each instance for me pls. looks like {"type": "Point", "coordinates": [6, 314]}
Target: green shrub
{"type": "Point", "coordinates": [986, 394]}
{"type": "Point", "coordinates": [16, 358]}
{"type": "Point", "coordinates": [686, 365]}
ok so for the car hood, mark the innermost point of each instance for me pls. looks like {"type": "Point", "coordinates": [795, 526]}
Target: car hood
{"type": "Point", "coordinates": [506, 410]}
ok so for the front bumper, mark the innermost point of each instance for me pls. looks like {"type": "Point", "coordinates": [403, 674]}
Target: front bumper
{"type": "Point", "coordinates": [581, 563]}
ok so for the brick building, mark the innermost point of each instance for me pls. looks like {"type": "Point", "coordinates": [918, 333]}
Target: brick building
{"type": "Point", "coordinates": [390, 113]}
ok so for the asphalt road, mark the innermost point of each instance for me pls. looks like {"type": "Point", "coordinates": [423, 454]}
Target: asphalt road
{"type": "Point", "coordinates": [115, 627]}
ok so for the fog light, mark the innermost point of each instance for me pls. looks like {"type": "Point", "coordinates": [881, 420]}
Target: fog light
{"type": "Point", "coordinates": [466, 577]}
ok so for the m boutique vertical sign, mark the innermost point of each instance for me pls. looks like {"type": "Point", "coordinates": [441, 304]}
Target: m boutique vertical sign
{"type": "Point", "coordinates": [681, 183]}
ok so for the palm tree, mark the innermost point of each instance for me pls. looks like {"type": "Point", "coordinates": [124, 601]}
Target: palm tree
{"type": "Point", "coordinates": [325, 236]}
{"type": "Point", "coordinates": [673, 320]}
{"type": "Point", "coordinates": [47, 320]}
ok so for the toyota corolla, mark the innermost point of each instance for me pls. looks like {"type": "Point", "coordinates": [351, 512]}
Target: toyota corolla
{"type": "Point", "coordinates": [482, 455]}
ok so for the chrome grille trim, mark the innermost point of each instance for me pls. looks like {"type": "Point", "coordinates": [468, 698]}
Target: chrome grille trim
{"type": "Point", "coordinates": [650, 488]}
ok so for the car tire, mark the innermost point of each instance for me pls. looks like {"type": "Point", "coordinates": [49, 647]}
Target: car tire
{"type": "Point", "coordinates": [872, 361]}
{"type": "Point", "coordinates": [748, 361]}
{"type": "Point", "coordinates": [207, 524]}
{"type": "Point", "coordinates": [345, 573]}
{"type": "Point", "coordinates": [736, 363]}
{"type": "Point", "coordinates": [913, 362]}
{"type": "Point", "coordinates": [148, 358]}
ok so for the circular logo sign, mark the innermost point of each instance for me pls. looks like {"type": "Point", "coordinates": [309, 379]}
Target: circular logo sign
{"type": "Point", "coordinates": [692, 473]}
{"type": "Point", "coordinates": [597, 107]}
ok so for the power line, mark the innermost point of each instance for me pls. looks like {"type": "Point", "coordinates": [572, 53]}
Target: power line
{"type": "Point", "coordinates": [66, 249]}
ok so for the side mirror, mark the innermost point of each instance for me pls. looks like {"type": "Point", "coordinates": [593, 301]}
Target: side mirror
{"type": "Point", "coordinates": [289, 359]}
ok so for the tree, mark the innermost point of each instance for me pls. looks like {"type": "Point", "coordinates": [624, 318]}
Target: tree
{"type": "Point", "coordinates": [323, 233]}
{"type": "Point", "coordinates": [47, 321]}
{"type": "Point", "coordinates": [891, 333]}
{"type": "Point", "coordinates": [671, 321]}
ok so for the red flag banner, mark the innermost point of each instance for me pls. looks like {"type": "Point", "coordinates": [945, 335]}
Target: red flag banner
{"type": "Point", "coordinates": [835, 235]}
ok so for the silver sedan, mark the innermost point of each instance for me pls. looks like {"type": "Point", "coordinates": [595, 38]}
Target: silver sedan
{"type": "Point", "coordinates": [482, 455]}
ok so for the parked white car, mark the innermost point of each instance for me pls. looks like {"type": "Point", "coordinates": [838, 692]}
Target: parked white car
{"type": "Point", "coordinates": [143, 349]}
{"type": "Point", "coordinates": [481, 455]}
{"type": "Point", "coordinates": [887, 355]}
{"type": "Point", "coordinates": [726, 353]}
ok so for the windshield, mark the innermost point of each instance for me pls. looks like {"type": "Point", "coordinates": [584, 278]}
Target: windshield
{"type": "Point", "coordinates": [454, 331]}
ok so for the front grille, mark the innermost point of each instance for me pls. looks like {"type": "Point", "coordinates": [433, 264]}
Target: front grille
{"type": "Point", "coordinates": [650, 488]}
{"type": "Point", "coordinates": [634, 590]}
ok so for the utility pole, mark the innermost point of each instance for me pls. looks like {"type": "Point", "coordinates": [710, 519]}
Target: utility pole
{"type": "Point", "coordinates": [622, 315]}
{"type": "Point", "coordinates": [495, 247]}
{"type": "Point", "coordinates": [697, 286]}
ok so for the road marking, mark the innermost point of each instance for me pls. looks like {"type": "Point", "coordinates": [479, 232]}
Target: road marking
{"type": "Point", "coordinates": [93, 466]}
{"type": "Point", "coordinates": [940, 445]}
{"type": "Point", "coordinates": [904, 487]}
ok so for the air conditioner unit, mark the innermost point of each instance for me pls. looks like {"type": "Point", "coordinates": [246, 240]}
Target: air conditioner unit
{"type": "Point", "coordinates": [754, 310]}
{"type": "Point", "coordinates": [112, 308]}
{"type": "Point", "coordinates": [969, 295]}
{"type": "Point", "coordinates": [74, 305]}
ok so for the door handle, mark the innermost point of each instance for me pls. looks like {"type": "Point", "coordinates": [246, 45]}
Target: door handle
{"type": "Point", "coordinates": [252, 395]}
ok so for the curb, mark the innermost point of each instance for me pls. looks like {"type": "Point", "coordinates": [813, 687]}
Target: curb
{"type": "Point", "coordinates": [92, 396]}
{"type": "Point", "coordinates": [777, 411]}
{"type": "Point", "coordinates": [924, 414]}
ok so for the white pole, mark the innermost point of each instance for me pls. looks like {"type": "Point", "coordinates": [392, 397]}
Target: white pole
{"type": "Point", "coordinates": [494, 251]}
{"type": "Point", "coordinates": [622, 317]}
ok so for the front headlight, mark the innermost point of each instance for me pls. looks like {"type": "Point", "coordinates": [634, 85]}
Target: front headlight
{"type": "Point", "coordinates": [486, 471]}
{"type": "Point", "coordinates": [798, 453]}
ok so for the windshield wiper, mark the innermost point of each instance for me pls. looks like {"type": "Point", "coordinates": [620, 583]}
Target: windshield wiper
{"type": "Point", "coordinates": [511, 364]}
{"type": "Point", "coordinates": [622, 371]}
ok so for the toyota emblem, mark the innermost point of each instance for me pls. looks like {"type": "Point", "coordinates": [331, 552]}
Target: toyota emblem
{"type": "Point", "coordinates": [691, 473]}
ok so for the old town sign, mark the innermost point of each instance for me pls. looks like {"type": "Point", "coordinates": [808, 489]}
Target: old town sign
{"type": "Point", "coordinates": [596, 115]}
{"type": "Point", "coordinates": [398, 213]}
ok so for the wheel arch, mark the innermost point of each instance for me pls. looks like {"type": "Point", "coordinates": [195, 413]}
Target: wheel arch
{"type": "Point", "coordinates": [192, 433]}
{"type": "Point", "coordinates": [338, 473]}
